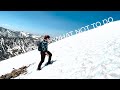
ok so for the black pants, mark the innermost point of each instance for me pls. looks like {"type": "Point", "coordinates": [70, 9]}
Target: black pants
{"type": "Point", "coordinates": [43, 58]}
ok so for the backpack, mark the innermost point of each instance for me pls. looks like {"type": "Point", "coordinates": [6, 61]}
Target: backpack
{"type": "Point", "coordinates": [40, 46]}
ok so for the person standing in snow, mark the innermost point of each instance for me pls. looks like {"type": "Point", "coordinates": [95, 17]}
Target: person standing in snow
{"type": "Point", "coordinates": [44, 51]}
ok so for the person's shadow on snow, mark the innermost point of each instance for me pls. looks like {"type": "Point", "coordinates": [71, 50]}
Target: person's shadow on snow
{"type": "Point", "coordinates": [49, 64]}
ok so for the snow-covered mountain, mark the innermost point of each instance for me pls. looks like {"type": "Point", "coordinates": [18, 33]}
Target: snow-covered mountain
{"type": "Point", "coordinates": [88, 55]}
{"type": "Point", "coordinates": [13, 43]}
{"type": "Point", "coordinates": [11, 33]}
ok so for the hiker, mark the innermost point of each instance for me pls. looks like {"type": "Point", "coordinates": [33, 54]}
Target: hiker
{"type": "Point", "coordinates": [43, 48]}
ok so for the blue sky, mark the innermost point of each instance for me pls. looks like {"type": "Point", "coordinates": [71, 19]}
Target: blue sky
{"type": "Point", "coordinates": [52, 22]}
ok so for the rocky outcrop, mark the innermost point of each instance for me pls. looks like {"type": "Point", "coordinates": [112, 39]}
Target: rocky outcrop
{"type": "Point", "coordinates": [15, 73]}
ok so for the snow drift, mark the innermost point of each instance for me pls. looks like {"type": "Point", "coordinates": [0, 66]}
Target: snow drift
{"type": "Point", "coordinates": [87, 55]}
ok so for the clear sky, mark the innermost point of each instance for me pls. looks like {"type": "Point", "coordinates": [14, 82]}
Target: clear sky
{"type": "Point", "coordinates": [52, 22]}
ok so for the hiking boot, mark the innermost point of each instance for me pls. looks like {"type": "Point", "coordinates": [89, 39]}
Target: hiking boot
{"type": "Point", "coordinates": [49, 62]}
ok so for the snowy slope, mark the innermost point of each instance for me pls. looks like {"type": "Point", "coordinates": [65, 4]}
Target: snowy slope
{"type": "Point", "coordinates": [88, 55]}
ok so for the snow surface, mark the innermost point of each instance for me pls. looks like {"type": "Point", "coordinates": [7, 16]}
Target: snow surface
{"type": "Point", "coordinates": [93, 54]}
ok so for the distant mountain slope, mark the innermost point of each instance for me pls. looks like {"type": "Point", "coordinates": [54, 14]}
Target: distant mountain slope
{"type": "Point", "coordinates": [13, 43]}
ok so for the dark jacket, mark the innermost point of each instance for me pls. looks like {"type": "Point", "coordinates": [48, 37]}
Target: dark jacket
{"type": "Point", "coordinates": [44, 45]}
